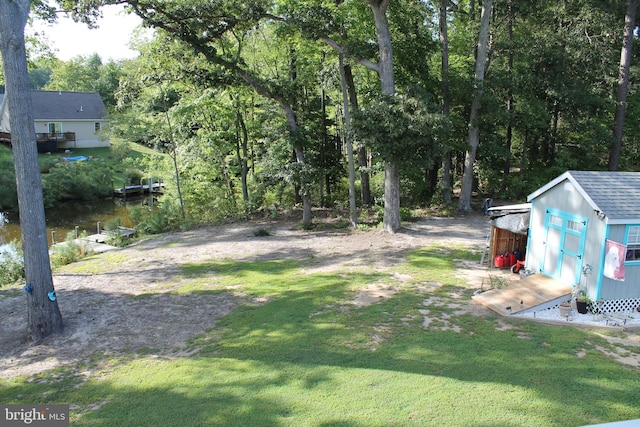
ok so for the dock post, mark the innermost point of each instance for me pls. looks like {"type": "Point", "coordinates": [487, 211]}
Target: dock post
{"type": "Point", "coordinates": [77, 230]}
{"type": "Point", "coordinates": [151, 191]}
{"type": "Point", "coordinates": [98, 226]}
{"type": "Point", "coordinates": [53, 237]}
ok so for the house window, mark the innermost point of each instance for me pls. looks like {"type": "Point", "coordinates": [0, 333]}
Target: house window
{"type": "Point", "coordinates": [633, 243]}
{"type": "Point", "coordinates": [54, 127]}
{"type": "Point", "coordinates": [97, 127]}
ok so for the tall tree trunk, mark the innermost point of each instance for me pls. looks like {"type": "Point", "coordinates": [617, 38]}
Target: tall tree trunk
{"type": "Point", "coordinates": [347, 123]}
{"type": "Point", "coordinates": [242, 148]}
{"type": "Point", "coordinates": [509, 139]}
{"type": "Point", "coordinates": [549, 147]}
{"type": "Point", "coordinates": [174, 157]}
{"type": "Point", "coordinates": [43, 313]}
{"type": "Point", "coordinates": [303, 191]}
{"type": "Point", "coordinates": [623, 83]}
{"type": "Point", "coordinates": [323, 151]}
{"type": "Point", "coordinates": [464, 204]}
{"type": "Point", "coordinates": [307, 214]}
{"type": "Point", "coordinates": [391, 220]}
{"type": "Point", "coordinates": [444, 48]}
{"type": "Point", "coordinates": [363, 159]}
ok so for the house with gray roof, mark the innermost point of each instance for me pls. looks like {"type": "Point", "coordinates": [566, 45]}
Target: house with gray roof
{"type": "Point", "coordinates": [65, 120]}
{"type": "Point", "coordinates": [584, 231]}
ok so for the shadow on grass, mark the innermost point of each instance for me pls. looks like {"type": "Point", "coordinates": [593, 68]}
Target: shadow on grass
{"type": "Point", "coordinates": [307, 357]}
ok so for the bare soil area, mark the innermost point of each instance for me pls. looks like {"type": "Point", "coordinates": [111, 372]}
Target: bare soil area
{"type": "Point", "coordinates": [130, 308]}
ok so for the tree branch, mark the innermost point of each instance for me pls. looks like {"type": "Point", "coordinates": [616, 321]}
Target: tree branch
{"type": "Point", "coordinates": [340, 49]}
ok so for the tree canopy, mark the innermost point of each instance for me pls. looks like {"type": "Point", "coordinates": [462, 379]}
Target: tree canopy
{"type": "Point", "coordinates": [256, 102]}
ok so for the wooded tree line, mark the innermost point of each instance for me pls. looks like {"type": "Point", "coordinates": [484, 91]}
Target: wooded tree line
{"type": "Point", "coordinates": [252, 95]}
{"type": "Point", "coordinates": [249, 97]}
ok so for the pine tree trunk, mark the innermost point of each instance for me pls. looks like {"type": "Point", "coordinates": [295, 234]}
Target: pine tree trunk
{"type": "Point", "coordinates": [391, 221]}
{"type": "Point", "coordinates": [347, 121]}
{"type": "Point", "coordinates": [464, 204]}
{"type": "Point", "coordinates": [510, 105]}
{"type": "Point", "coordinates": [242, 147]}
{"type": "Point", "coordinates": [623, 83]}
{"type": "Point", "coordinates": [446, 181]}
{"type": "Point", "coordinates": [43, 314]}
{"type": "Point", "coordinates": [363, 161]}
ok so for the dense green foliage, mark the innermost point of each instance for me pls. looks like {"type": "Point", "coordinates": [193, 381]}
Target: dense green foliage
{"type": "Point", "coordinates": [107, 168]}
{"type": "Point", "coordinates": [76, 180]}
{"type": "Point", "coordinates": [8, 192]}
{"type": "Point", "coordinates": [11, 263]}
{"type": "Point", "coordinates": [213, 86]}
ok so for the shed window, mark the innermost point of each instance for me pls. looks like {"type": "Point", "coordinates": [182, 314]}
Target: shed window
{"type": "Point", "coordinates": [97, 127]}
{"type": "Point", "coordinates": [555, 220]}
{"type": "Point", "coordinates": [575, 226]}
{"type": "Point", "coordinates": [633, 243]}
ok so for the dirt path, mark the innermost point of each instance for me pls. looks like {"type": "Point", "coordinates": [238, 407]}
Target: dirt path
{"type": "Point", "coordinates": [101, 315]}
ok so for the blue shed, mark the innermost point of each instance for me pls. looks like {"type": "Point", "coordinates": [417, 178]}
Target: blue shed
{"type": "Point", "coordinates": [584, 231]}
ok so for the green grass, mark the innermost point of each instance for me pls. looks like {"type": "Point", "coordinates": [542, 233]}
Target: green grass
{"type": "Point", "coordinates": [136, 152]}
{"type": "Point", "coordinates": [298, 354]}
{"type": "Point", "coordinates": [96, 263]}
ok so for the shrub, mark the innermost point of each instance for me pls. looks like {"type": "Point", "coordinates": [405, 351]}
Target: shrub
{"type": "Point", "coordinates": [70, 251]}
{"type": "Point", "coordinates": [11, 263]}
{"type": "Point", "coordinates": [76, 180]}
{"type": "Point", "coordinates": [8, 191]}
{"type": "Point", "coordinates": [166, 216]}
{"type": "Point", "coordinates": [120, 149]}
{"type": "Point", "coordinates": [405, 214]}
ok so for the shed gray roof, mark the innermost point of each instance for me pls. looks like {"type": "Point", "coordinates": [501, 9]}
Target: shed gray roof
{"type": "Point", "coordinates": [615, 194]}
{"type": "Point", "coordinates": [60, 105]}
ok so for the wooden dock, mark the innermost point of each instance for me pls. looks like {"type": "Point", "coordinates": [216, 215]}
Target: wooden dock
{"type": "Point", "coordinates": [519, 295]}
{"type": "Point", "coordinates": [86, 245]}
{"type": "Point", "coordinates": [103, 235]}
{"type": "Point", "coordinates": [97, 242]}
{"type": "Point", "coordinates": [134, 190]}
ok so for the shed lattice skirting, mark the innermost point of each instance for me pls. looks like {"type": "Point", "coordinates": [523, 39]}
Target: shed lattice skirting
{"type": "Point", "coordinates": [619, 306]}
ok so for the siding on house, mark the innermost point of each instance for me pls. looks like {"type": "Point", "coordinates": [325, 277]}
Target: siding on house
{"type": "Point", "coordinates": [86, 136]}
{"type": "Point", "coordinates": [77, 112]}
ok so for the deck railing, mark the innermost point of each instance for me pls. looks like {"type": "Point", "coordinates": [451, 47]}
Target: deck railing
{"type": "Point", "coordinates": [56, 136]}
{"type": "Point", "coordinates": [5, 137]}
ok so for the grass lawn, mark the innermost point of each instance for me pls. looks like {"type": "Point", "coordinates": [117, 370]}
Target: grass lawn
{"type": "Point", "coordinates": [105, 154]}
{"type": "Point", "coordinates": [298, 353]}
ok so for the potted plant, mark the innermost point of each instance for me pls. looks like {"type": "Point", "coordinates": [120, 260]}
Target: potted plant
{"type": "Point", "coordinates": [565, 308]}
{"type": "Point", "coordinates": [582, 303]}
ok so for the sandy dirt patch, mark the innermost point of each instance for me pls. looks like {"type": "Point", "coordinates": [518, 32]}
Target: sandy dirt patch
{"type": "Point", "coordinates": [131, 308]}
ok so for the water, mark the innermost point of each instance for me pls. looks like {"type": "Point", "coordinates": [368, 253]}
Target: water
{"type": "Point", "coordinates": [64, 219]}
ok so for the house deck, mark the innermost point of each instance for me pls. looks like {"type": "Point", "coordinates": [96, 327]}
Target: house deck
{"type": "Point", "coordinates": [523, 294]}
